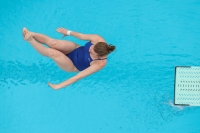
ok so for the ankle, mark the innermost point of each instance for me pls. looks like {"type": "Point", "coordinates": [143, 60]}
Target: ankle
{"type": "Point", "coordinates": [33, 34]}
{"type": "Point", "coordinates": [30, 39]}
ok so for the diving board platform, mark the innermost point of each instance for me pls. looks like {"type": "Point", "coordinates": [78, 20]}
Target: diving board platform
{"type": "Point", "coordinates": [187, 85]}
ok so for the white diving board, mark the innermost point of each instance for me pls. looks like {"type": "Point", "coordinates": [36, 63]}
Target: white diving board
{"type": "Point", "coordinates": [187, 86]}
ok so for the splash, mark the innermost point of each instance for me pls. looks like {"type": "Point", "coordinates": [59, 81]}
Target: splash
{"type": "Point", "coordinates": [169, 111]}
{"type": "Point", "coordinates": [176, 107]}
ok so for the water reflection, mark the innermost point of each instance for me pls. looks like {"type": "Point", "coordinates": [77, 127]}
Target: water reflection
{"type": "Point", "coordinates": [18, 73]}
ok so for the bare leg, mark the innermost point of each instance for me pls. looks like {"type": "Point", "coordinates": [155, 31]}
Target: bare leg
{"type": "Point", "coordinates": [61, 60]}
{"type": "Point", "coordinates": [61, 45]}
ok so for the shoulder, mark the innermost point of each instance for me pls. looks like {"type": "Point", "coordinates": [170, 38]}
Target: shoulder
{"type": "Point", "coordinates": [99, 63]}
{"type": "Point", "coordinates": [97, 38]}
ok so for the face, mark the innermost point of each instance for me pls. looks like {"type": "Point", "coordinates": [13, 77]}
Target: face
{"type": "Point", "coordinates": [91, 50]}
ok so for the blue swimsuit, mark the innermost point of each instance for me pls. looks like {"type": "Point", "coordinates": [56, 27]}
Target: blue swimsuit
{"type": "Point", "coordinates": [81, 56]}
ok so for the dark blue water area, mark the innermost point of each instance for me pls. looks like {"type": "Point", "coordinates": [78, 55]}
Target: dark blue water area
{"type": "Point", "coordinates": [134, 93]}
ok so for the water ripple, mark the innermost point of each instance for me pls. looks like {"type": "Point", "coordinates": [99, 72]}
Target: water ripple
{"type": "Point", "coordinates": [17, 73]}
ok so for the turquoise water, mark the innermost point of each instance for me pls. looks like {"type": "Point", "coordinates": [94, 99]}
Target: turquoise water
{"type": "Point", "coordinates": [132, 94]}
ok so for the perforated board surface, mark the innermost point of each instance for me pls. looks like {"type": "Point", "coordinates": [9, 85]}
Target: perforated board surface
{"type": "Point", "coordinates": [187, 86]}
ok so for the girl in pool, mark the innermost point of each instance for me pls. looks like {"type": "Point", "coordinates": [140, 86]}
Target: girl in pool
{"type": "Point", "coordinates": [69, 56]}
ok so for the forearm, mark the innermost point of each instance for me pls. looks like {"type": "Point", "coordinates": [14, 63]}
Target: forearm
{"type": "Point", "coordinates": [68, 82]}
{"type": "Point", "coordinates": [76, 34]}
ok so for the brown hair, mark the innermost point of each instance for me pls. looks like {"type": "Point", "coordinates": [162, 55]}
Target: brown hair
{"type": "Point", "coordinates": [102, 48]}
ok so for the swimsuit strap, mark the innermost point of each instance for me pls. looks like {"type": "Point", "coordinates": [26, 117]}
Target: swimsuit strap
{"type": "Point", "coordinates": [101, 59]}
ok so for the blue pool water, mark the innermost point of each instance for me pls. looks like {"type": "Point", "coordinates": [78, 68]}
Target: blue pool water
{"type": "Point", "coordinates": [132, 94]}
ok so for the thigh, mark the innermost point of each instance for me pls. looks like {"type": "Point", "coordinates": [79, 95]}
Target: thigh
{"type": "Point", "coordinates": [64, 46]}
{"type": "Point", "coordinates": [62, 60]}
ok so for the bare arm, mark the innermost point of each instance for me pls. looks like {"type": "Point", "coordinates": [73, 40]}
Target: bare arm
{"type": "Point", "coordinates": [90, 70]}
{"type": "Point", "coordinates": [94, 38]}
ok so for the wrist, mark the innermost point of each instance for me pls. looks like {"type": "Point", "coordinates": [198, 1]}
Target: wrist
{"type": "Point", "coordinates": [59, 86]}
{"type": "Point", "coordinates": [69, 32]}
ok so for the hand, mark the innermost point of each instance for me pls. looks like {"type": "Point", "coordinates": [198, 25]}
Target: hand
{"type": "Point", "coordinates": [54, 86]}
{"type": "Point", "coordinates": [62, 31]}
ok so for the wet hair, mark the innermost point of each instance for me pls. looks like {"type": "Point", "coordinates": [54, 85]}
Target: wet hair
{"type": "Point", "coordinates": [102, 48]}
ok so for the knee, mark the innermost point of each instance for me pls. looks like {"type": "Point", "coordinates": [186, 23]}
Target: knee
{"type": "Point", "coordinates": [52, 43]}
{"type": "Point", "coordinates": [52, 53]}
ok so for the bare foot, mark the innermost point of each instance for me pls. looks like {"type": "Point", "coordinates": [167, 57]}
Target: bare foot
{"type": "Point", "coordinates": [27, 34]}
{"type": "Point", "coordinates": [62, 31]}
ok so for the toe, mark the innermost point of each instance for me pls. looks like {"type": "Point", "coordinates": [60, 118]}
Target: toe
{"type": "Point", "coordinates": [25, 31]}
